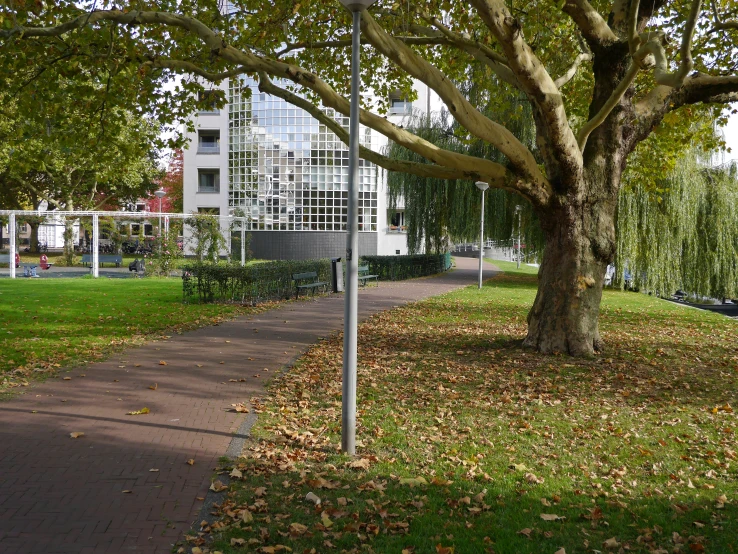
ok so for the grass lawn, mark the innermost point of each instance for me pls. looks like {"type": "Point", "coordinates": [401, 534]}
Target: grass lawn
{"type": "Point", "coordinates": [468, 444]}
{"type": "Point", "coordinates": [46, 324]}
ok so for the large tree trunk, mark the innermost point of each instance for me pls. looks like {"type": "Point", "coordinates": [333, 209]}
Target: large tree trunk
{"type": "Point", "coordinates": [34, 236]}
{"type": "Point", "coordinates": [580, 242]}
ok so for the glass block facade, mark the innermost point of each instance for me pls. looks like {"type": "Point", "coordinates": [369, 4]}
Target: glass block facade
{"type": "Point", "coordinates": [287, 172]}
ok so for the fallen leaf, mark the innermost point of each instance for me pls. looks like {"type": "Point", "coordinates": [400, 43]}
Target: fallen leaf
{"type": "Point", "coordinates": [67, 378]}
{"type": "Point", "coordinates": [247, 517]}
{"type": "Point", "coordinates": [236, 473]}
{"type": "Point", "coordinates": [240, 408]}
{"type": "Point", "coordinates": [362, 463]}
{"type": "Point", "coordinates": [552, 517]}
{"type": "Point", "coordinates": [260, 491]}
{"type": "Point", "coordinates": [153, 470]}
{"type": "Point", "coordinates": [611, 543]}
{"type": "Point", "coordinates": [560, 551]}
{"type": "Point", "coordinates": [162, 362]}
{"type": "Point", "coordinates": [190, 462]}
{"type": "Point", "coordinates": [525, 532]}
{"type": "Point", "coordinates": [154, 386]}
{"type": "Point", "coordinates": [142, 411]}
{"type": "Point", "coordinates": [413, 481]}
{"type": "Point", "coordinates": [76, 434]}
{"type": "Point", "coordinates": [238, 542]}
{"type": "Point", "coordinates": [217, 486]}
{"type": "Point", "coordinates": [325, 520]}
{"type": "Point", "coordinates": [127, 492]}
{"type": "Point", "coordinates": [298, 529]}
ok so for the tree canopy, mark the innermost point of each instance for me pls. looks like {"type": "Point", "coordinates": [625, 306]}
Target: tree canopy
{"type": "Point", "coordinates": [598, 76]}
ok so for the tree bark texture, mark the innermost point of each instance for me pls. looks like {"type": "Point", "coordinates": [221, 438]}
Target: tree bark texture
{"type": "Point", "coordinates": [579, 226]}
{"type": "Point", "coordinates": [565, 313]}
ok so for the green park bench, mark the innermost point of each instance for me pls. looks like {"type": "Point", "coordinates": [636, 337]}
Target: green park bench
{"type": "Point", "coordinates": [364, 275]}
{"type": "Point", "coordinates": [116, 259]}
{"type": "Point", "coordinates": [312, 276]}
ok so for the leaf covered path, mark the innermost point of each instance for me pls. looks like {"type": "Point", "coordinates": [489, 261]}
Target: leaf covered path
{"type": "Point", "coordinates": [118, 456]}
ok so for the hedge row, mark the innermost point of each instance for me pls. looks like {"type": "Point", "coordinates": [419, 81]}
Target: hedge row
{"type": "Point", "coordinates": [398, 268]}
{"type": "Point", "coordinates": [209, 282]}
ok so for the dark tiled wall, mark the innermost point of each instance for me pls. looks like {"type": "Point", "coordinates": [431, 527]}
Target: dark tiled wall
{"type": "Point", "coordinates": [306, 245]}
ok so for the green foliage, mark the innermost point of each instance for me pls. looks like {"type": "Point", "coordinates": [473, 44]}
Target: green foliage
{"type": "Point", "coordinates": [686, 237]}
{"type": "Point", "coordinates": [206, 239]}
{"type": "Point", "coordinates": [399, 268]}
{"type": "Point", "coordinates": [164, 255]}
{"type": "Point", "coordinates": [250, 284]}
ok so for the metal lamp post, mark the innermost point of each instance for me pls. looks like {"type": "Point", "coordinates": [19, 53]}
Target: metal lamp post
{"type": "Point", "coordinates": [161, 193]}
{"type": "Point", "coordinates": [518, 210]}
{"type": "Point", "coordinates": [481, 185]}
{"type": "Point", "coordinates": [350, 319]}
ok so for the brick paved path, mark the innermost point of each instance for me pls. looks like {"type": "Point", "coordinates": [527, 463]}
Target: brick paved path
{"type": "Point", "coordinates": [98, 493]}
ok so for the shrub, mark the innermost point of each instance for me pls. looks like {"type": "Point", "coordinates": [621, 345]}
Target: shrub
{"type": "Point", "coordinates": [398, 268]}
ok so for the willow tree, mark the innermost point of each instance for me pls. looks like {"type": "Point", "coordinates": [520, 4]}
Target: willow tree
{"type": "Point", "coordinates": [599, 76]}
{"type": "Point", "coordinates": [683, 232]}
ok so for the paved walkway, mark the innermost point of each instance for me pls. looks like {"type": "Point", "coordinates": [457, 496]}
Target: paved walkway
{"type": "Point", "coordinates": [126, 486]}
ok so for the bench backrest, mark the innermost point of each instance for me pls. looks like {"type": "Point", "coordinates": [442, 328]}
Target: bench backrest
{"type": "Point", "coordinates": [363, 268]}
{"type": "Point", "coordinates": [103, 258]}
{"type": "Point", "coordinates": [306, 275]}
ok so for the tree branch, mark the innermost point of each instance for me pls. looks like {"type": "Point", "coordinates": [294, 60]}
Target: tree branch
{"type": "Point", "coordinates": [721, 25]}
{"type": "Point", "coordinates": [477, 50]}
{"type": "Point", "coordinates": [189, 67]}
{"type": "Point", "coordinates": [467, 115]}
{"type": "Point", "coordinates": [536, 82]}
{"type": "Point", "coordinates": [592, 25]}
{"type": "Point", "coordinates": [569, 74]}
{"type": "Point", "coordinates": [608, 107]}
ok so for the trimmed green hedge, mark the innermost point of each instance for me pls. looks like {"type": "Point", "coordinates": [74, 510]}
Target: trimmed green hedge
{"type": "Point", "coordinates": [398, 268]}
{"type": "Point", "coordinates": [209, 282]}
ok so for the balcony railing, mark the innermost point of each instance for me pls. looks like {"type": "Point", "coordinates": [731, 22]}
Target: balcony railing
{"type": "Point", "coordinates": [206, 149]}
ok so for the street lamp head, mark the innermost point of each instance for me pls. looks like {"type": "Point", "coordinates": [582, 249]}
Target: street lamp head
{"type": "Point", "coordinates": [161, 193]}
{"type": "Point", "coordinates": [357, 5]}
{"type": "Point", "coordinates": [481, 185]}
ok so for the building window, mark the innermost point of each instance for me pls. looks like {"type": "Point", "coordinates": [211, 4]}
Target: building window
{"type": "Point", "coordinates": [208, 103]}
{"type": "Point", "coordinates": [208, 180]}
{"type": "Point", "coordinates": [400, 105]}
{"type": "Point", "coordinates": [396, 220]}
{"type": "Point", "coordinates": [208, 142]}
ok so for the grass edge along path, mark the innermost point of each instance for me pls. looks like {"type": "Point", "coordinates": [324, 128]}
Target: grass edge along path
{"type": "Point", "coordinates": [466, 443]}
{"type": "Point", "coordinates": [51, 325]}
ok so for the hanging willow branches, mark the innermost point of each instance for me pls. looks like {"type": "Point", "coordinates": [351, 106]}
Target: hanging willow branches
{"type": "Point", "coordinates": [440, 211]}
{"type": "Point", "coordinates": [684, 238]}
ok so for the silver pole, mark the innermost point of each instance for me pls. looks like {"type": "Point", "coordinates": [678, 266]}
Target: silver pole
{"type": "Point", "coordinates": [243, 243]}
{"type": "Point", "coordinates": [161, 235]}
{"type": "Point", "coordinates": [350, 318]}
{"type": "Point", "coordinates": [95, 246]}
{"type": "Point", "coordinates": [519, 238]}
{"type": "Point", "coordinates": [481, 244]}
{"type": "Point", "coordinates": [11, 230]}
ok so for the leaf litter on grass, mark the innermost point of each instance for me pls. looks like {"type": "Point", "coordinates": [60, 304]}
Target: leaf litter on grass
{"type": "Point", "coordinates": [467, 436]}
